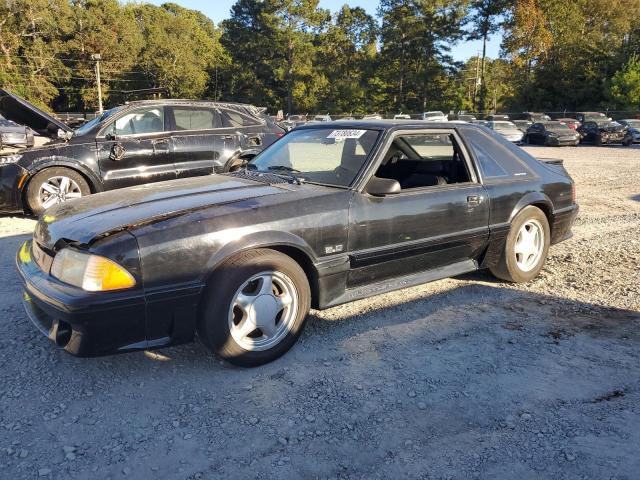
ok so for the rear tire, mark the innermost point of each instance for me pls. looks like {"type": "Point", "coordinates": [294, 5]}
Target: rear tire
{"type": "Point", "coordinates": [52, 186]}
{"type": "Point", "coordinates": [524, 256]}
{"type": "Point", "coordinates": [255, 307]}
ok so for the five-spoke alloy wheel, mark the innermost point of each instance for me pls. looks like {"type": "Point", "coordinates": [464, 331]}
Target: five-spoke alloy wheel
{"type": "Point", "coordinates": [526, 247]}
{"type": "Point", "coordinates": [255, 307]}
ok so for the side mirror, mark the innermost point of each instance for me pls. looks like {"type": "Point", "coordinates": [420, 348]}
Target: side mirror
{"type": "Point", "coordinates": [379, 187]}
{"type": "Point", "coordinates": [110, 136]}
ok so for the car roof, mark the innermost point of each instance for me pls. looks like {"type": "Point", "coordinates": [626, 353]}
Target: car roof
{"type": "Point", "coordinates": [387, 124]}
{"type": "Point", "coordinates": [186, 101]}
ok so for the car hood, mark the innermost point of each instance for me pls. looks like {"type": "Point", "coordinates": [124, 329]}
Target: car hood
{"type": "Point", "coordinates": [84, 220]}
{"type": "Point", "coordinates": [18, 110]}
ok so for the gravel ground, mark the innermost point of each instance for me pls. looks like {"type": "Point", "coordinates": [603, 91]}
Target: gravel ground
{"type": "Point", "coordinates": [462, 378]}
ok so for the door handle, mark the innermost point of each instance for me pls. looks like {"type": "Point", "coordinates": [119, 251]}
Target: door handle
{"type": "Point", "coordinates": [227, 137]}
{"type": "Point", "coordinates": [159, 141]}
{"type": "Point", "coordinates": [474, 200]}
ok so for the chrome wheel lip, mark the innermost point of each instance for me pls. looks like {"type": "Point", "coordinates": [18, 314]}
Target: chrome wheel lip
{"type": "Point", "coordinates": [257, 308]}
{"type": "Point", "coordinates": [529, 245]}
{"type": "Point", "coordinates": [58, 189]}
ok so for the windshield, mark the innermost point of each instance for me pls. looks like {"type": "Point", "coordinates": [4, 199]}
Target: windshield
{"type": "Point", "coordinates": [320, 155]}
{"type": "Point", "coordinates": [503, 126]}
{"type": "Point", "coordinates": [84, 129]}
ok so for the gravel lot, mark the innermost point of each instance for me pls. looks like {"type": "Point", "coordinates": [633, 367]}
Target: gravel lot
{"type": "Point", "coordinates": [462, 378]}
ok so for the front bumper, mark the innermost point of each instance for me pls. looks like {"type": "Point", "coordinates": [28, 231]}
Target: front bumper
{"type": "Point", "coordinates": [91, 324]}
{"type": "Point", "coordinates": [563, 141]}
{"type": "Point", "coordinates": [11, 178]}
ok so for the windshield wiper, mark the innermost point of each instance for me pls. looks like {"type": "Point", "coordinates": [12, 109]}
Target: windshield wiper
{"type": "Point", "coordinates": [288, 171]}
{"type": "Point", "coordinates": [284, 168]}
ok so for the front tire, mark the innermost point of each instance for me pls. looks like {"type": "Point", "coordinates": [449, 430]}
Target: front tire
{"type": "Point", "coordinates": [526, 247]}
{"type": "Point", "coordinates": [255, 307]}
{"type": "Point", "coordinates": [52, 186]}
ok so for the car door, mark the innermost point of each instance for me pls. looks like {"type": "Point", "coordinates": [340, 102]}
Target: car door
{"type": "Point", "coordinates": [135, 149]}
{"type": "Point", "coordinates": [440, 217]}
{"type": "Point", "coordinates": [197, 141]}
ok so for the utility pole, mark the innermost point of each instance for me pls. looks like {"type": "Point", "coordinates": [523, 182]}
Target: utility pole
{"type": "Point", "coordinates": [97, 57]}
{"type": "Point", "coordinates": [476, 81]}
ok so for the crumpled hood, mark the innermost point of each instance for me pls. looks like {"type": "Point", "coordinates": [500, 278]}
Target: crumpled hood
{"type": "Point", "coordinates": [94, 216]}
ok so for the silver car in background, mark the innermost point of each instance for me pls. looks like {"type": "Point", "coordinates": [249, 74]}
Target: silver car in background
{"type": "Point", "coordinates": [436, 116]}
{"type": "Point", "coordinates": [14, 136]}
{"type": "Point", "coordinates": [508, 130]}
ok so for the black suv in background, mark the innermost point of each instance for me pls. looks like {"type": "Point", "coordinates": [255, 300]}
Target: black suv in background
{"type": "Point", "coordinates": [140, 142]}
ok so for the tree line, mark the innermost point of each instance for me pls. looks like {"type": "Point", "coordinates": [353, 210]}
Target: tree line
{"type": "Point", "coordinates": [295, 56]}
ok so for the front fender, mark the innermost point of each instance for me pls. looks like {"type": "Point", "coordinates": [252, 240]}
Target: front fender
{"type": "Point", "coordinates": [262, 239]}
{"type": "Point", "coordinates": [94, 181]}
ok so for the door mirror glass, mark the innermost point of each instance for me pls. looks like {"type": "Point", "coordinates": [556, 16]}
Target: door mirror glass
{"type": "Point", "coordinates": [379, 187]}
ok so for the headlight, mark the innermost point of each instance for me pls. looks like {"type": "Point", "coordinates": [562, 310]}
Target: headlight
{"type": "Point", "coordinates": [92, 273]}
{"type": "Point", "coordinates": [10, 159]}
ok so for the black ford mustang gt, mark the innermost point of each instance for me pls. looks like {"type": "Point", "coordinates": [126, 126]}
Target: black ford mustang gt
{"type": "Point", "coordinates": [328, 214]}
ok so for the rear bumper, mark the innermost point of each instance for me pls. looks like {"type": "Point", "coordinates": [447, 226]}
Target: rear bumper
{"type": "Point", "coordinates": [91, 324]}
{"type": "Point", "coordinates": [562, 222]}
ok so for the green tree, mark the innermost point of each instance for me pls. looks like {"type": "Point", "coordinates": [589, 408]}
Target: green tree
{"type": "Point", "coordinates": [32, 42]}
{"type": "Point", "coordinates": [345, 54]}
{"type": "Point", "coordinates": [485, 19]}
{"type": "Point", "coordinates": [180, 49]}
{"type": "Point", "coordinates": [625, 85]}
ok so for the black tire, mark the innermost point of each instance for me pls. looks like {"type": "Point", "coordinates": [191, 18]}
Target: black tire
{"type": "Point", "coordinates": [507, 268]}
{"type": "Point", "coordinates": [32, 196]}
{"type": "Point", "coordinates": [526, 140]}
{"type": "Point", "coordinates": [628, 142]}
{"type": "Point", "coordinates": [597, 141]}
{"type": "Point", "coordinates": [214, 323]}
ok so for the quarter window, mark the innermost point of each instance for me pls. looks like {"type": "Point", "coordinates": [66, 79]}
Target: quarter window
{"type": "Point", "coordinates": [487, 152]}
{"type": "Point", "coordinates": [143, 120]}
{"type": "Point", "coordinates": [236, 119]}
{"type": "Point", "coordinates": [195, 118]}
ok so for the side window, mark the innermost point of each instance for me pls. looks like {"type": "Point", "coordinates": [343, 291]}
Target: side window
{"type": "Point", "coordinates": [231, 118]}
{"type": "Point", "coordinates": [424, 160]}
{"type": "Point", "coordinates": [495, 157]}
{"type": "Point", "coordinates": [142, 120]}
{"type": "Point", "coordinates": [187, 118]}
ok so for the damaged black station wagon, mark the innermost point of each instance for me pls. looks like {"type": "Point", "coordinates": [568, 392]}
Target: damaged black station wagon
{"type": "Point", "coordinates": [329, 214]}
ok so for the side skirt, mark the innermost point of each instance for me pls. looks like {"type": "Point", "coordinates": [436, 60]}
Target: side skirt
{"type": "Point", "coordinates": [364, 291]}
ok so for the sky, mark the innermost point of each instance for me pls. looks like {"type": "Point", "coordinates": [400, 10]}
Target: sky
{"type": "Point", "coordinates": [218, 10]}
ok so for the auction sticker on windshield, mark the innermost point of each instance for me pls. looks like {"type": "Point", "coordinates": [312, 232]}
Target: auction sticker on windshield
{"type": "Point", "coordinates": [342, 134]}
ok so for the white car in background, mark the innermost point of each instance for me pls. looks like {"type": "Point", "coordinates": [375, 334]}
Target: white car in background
{"type": "Point", "coordinates": [508, 130]}
{"type": "Point", "coordinates": [402, 116]}
{"type": "Point", "coordinates": [436, 116]}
